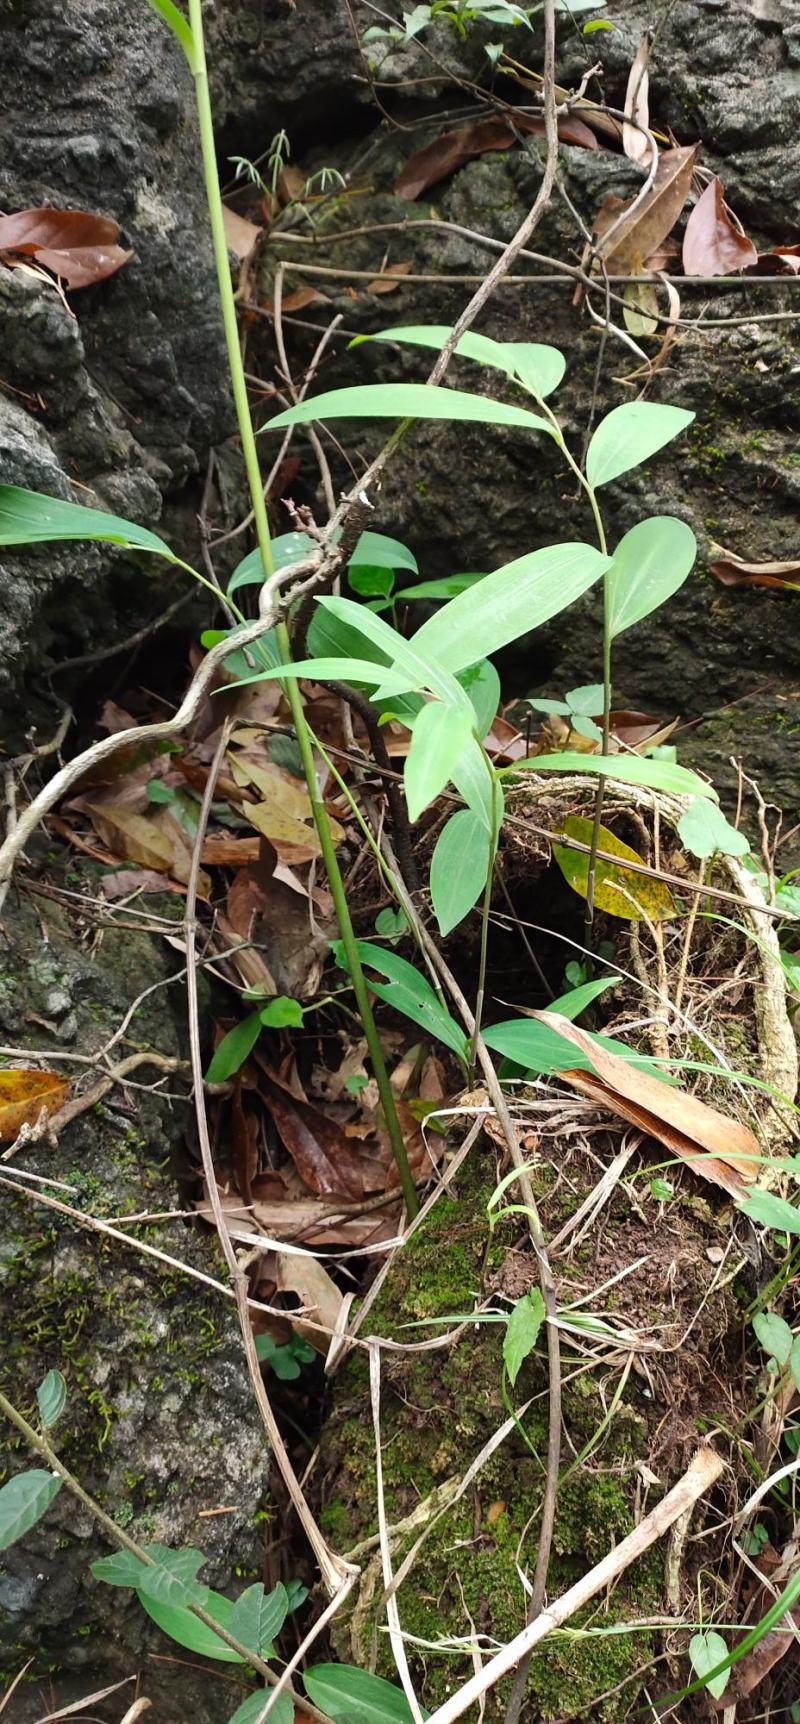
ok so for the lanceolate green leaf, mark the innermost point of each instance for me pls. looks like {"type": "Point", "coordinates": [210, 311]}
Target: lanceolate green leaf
{"type": "Point", "coordinates": [540, 368]}
{"type": "Point", "coordinates": [482, 684]}
{"type": "Point", "coordinates": [352, 1696]}
{"type": "Point", "coordinates": [536, 1047]}
{"type": "Point", "coordinates": [506, 604]}
{"type": "Point", "coordinates": [438, 740]}
{"type": "Point", "coordinates": [623, 769]}
{"type": "Point", "coordinates": [449, 588]}
{"type": "Point", "coordinates": [234, 1049]}
{"type": "Point", "coordinates": [51, 1396]}
{"type": "Point", "coordinates": [629, 435]}
{"type": "Point", "coordinates": [405, 656]}
{"type": "Point", "coordinates": [408, 991]}
{"type": "Point", "coordinates": [179, 26]}
{"type": "Point", "coordinates": [185, 1628]}
{"type": "Point", "coordinates": [649, 565]}
{"type": "Point", "coordinates": [522, 1332]}
{"type": "Point", "coordinates": [286, 549]}
{"type": "Point", "coordinates": [407, 401]}
{"type": "Point", "coordinates": [459, 867]}
{"type": "Point", "coordinates": [772, 1211]}
{"type": "Point", "coordinates": [337, 670]}
{"type": "Point", "coordinates": [378, 551]}
{"type": "Point", "coordinates": [472, 781]}
{"type": "Point", "coordinates": [32, 518]}
{"type": "Point", "coordinates": [23, 1501]}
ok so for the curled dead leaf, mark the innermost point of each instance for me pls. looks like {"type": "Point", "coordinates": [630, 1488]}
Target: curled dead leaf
{"type": "Point", "coordinates": [733, 571]}
{"type": "Point", "coordinates": [715, 242]}
{"type": "Point", "coordinates": [77, 246]}
{"type": "Point", "coordinates": [450, 151]}
{"type": "Point", "coordinates": [23, 1095]}
{"type": "Point", "coordinates": [627, 234]}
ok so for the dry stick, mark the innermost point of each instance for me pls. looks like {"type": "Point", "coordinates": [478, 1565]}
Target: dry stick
{"type": "Point", "coordinates": [546, 1282]}
{"type": "Point", "coordinates": [702, 1473]}
{"type": "Point", "coordinates": [390, 1595]}
{"type": "Point", "coordinates": [63, 780]}
{"type": "Point", "coordinates": [338, 1576]}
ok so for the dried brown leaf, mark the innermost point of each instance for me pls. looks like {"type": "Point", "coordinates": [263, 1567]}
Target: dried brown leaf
{"type": "Point", "coordinates": [241, 235]}
{"type": "Point", "coordinates": [450, 151]}
{"type": "Point", "coordinates": [23, 1095]}
{"type": "Point", "coordinates": [715, 242]}
{"type": "Point", "coordinates": [733, 571]}
{"type": "Point", "coordinates": [717, 1148]}
{"type": "Point", "coordinates": [322, 1154]}
{"type": "Point", "coordinates": [646, 224]}
{"type": "Point", "coordinates": [77, 246]}
{"type": "Point", "coordinates": [318, 1294]}
{"type": "Point", "coordinates": [389, 279]}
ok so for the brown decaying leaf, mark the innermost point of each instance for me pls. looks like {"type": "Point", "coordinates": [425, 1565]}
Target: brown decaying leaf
{"type": "Point", "coordinates": [450, 151]}
{"type": "Point", "coordinates": [389, 278]}
{"type": "Point", "coordinates": [243, 1128]}
{"type": "Point", "coordinates": [79, 247]}
{"type": "Point", "coordinates": [733, 571]}
{"type": "Point", "coordinates": [717, 1148]}
{"type": "Point", "coordinates": [317, 1292]}
{"type": "Point", "coordinates": [634, 142]}
{"type": "Point", "coordinates": [23, 1095]}
{"type": "Point", "coordinates": [241, 234]}
{"type": "Point", "coordinates": [781, 260]}
{"type": "Point", "coordinates": [715, 242]}
{"type": "Point", "coordinates": [298, 299]}
{"type": "Point", "coordinates": [600, 121]}
{"type": "Point", "coordinates": [322, 1154]}
{"type": "Point", "coordinates": [645, 226]}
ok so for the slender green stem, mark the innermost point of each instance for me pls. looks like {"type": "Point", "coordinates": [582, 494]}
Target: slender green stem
{"type": "Point", "coordinates": [485, 912]}
{"type": "Point", "coordinates": [349, 942]}
{"type": "Point", "coordinates": [247, 434]}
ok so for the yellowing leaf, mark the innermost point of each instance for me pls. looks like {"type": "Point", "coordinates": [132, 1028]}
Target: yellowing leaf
{"type": "Point", "coordinates": [23, 1094]}
{"type": "Point", "coordinates": [617, 891]}
{"type": "Point", "coordinates": [134, 837]}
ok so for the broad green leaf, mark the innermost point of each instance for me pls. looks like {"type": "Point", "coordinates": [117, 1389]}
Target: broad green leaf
{"type": "Point", "coordinates": [438, 740]}
{"type": "Point", "coordinates": [407, 991]}
{"type": "Point", "coordinates": [32, 518]}
{"type": "Point", "coordinates": [459, 867]}
{"type": "Point", "coordinates": [185, 1628]}
{"type": "Point", "coordinates": [172, 1580]}
{"type": "Point", "coordinates": [352, 1696]}
{"type": "Point", "coordinates": [522, 1332]}
{"type": "Point", "coordinates": [23, 1501]}
{"type": "Point", "coordinates": [391, 924]}
{"type": "Point", "coordinates": [51, 1396]}
{"type": "Point", "coordinates": [771, 1211]}
{"type": "Point", "coordinates": [121, 1569]}
{"type": "Point", "coordinates": [705, 831]}
{"type": "Point", "coordinates": [406, 658]}
{"type": "Point", "coordinates": [406, 401]}
{"type": "Point", "coordinates": [234, 1049]}
{"type": "Point", "coordinates": [473, 782]}
{"type": "Point", "coordinates": [623, 769]}
{"type": "Point", "coordinates": [449, 588]}
{"type": "Point", "coordinates": [245, 662]}
{"type": "Point", "coordinates": [287, 548]}
{"type": "Point", "coordinates": [774, 1335]}
{"type": "Point", "coordinates": [539, 368]}
{"type": "Point", "coordinates": [330, 636]}
{"type": "Point", "coordinates": [508, 603]}
{"type": "Point", "coordinates": [335, 670]}
{"type": "Point", "coordinates": [649, 565]}
{"type": "Point", "coordinates": [587, 700]}
{"type": "Point", "coordinates": [371, 583]}
{"type": "Point", "coordinates": [572, 1004]}
{"type": "Point", "coordinates": [378, 551]}
{"type": "Point", "coordinates": [629, 435]}
{"type": "Point", "coordinates": [706, 1651]}
{"type": "Point", "coordinates": [179, 26]}
{"type": "Point", "coordinates": [282, 1013]}
{"type": "Point", "coordinates": [251, 1709]}
{"type": "Point", "coordinates": [617, 891]}
{"type": "Point", "coordinates": [482, 683]}
{"type": "Point", "coordinates": [256, 1619]}
{"type": "Point", "coordinates": [536, 1047]}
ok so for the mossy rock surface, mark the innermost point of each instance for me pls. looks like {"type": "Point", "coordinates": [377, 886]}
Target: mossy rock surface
{"type": "Point", "coordinates": [439, 1408]}
{"type": "Point", "coordinates": [159, 1424]}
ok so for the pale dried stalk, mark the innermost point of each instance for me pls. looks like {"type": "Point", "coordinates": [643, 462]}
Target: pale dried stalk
{"type": "Point", "coordinates": [701, 1474]}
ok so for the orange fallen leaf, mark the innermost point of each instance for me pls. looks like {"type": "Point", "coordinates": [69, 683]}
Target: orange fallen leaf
{"type": "Point", "coordinates": [23, 1094]}
{"type": "Point", "coordinates": [719, 1149]}
{"type": "Point", "coordinates": [389, 278]}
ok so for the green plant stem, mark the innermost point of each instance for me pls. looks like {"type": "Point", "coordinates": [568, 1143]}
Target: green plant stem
{"type": "Point", "coordinates": [601, 782]}
{"type": "Point", "coordinates": [485, 913]}
{"type": "Point", "coordinates": [252, 467]}
{"type": "Point", "coordinates": [42, 1448]}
